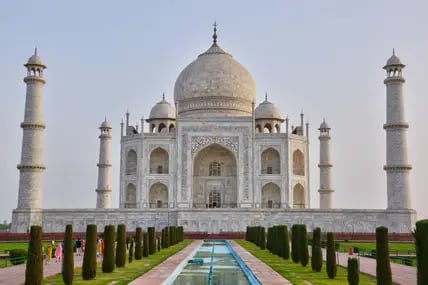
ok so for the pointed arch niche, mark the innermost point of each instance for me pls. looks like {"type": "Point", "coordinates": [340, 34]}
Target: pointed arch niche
{"type": "Point", "coordinates": [214, 178]}
{"type": "Point", "coordinates": [131, 163]}
{"type": "Point", "coordinates": [298, 163]}
{"type": "Point", "coordinates": [159, 161]}
{"type": "Point", "coordinates": [131, 196]}
{"type": "Point", "coordinates": [270, 162]}
{"type": "Point", "coordinates": [298, 196]}
{"type": "Point", "coordinates": [271, 196]}
{"type": "Point", "coordinates": [158, 196]}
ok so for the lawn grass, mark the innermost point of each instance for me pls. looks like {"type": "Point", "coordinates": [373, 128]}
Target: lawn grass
{"type": "Point", "coordinates": [6, 246]}
{"type": "Point", "coordinates": [124, 275]}
{"type": "Point", "coordinates": [394, 247]}
{"type": "Point", "coordinates": [299, 275]}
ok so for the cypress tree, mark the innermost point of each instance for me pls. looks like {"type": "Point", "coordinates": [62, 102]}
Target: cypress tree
{"type": "Point", "coordinates": [108, 258]}
{"type": "Point", "coordinates": [331, 256]}
{"type": "Point", "coordinates": [167, 237]}
{"type": "Point", "coordinates": [421, 244]}
{"type": "Point", "coordinates": [353, 271]}
{"type": "Point", "coordinates": [159, 243]}
{"type": "Point", "coordinates": [295, 252]}
{"type": "Point", "coordinates": [138, 249]}
{"type": "Point", "coordinates": [34, 266]}
{"type": "Point", "coordinates": [163, 239]}
{"type": "Point", "coordinates": [121, 246]}
{"type": "Point", "coordinates": [131, 250]}
{"type": "Point", "coordinates": [383, 266]}
{"type": "Point", "coordinates": [152, 241]}
{"type": "Point", "coordinates": [68, 262]}
{"type": "Point", "coordinates": [316, 257]}
{"type": "Point", "coordinates": [89, 267]}
{"type": "Point", "coordinates": [262, 238]}
{"type": "Point", "coordinates": [146, 244]}
{"type": "Point", "coordinates": [285, 248]}
{"type": "Point", "coordinates": [303, 247]}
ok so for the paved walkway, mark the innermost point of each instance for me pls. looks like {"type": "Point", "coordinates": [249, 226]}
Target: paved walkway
{"type": "Point", "coordinates": [15, 275]}
{"type": "Point", "coordinates": [160, 273]}
{"type": "Point", "coordinates": [265, 274]}
{"type": "Point", "coordinates": [401, 274]}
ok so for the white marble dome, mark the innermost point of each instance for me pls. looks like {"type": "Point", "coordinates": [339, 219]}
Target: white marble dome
{"type": "Point", "coordinates": [267, 110]}
{"type": "Point", "coordinates": [214, 85]}
{"type": "Point", "coordinates": [162, 110]}
{"type": "Point", "coordinates": [35, 60]}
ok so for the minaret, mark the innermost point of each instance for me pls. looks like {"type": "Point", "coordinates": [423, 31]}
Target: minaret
{"type": "Point", "coordinates": [325, 167]}
{"type": "Point", "coordinates": [397, 167]}
{"type": "Point", "coordinates": [31, 167]}
{"type": "Point", "coordinates": [104, 189]}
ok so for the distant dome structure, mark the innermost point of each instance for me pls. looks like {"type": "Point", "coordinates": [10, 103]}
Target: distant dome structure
{"type": "Point", "coordinates": [105, 124]}
{"type": "Point", "coordinates": [162, 110]}
{"type": "Point", "coordinates": [35, 60]}
{"type": "Point", "coordinates": [267, 110]}
{"type": "Point", "coordinates": [324, 125]}
{"type": "Point", "coordinates": [393, 60]}
{"type": "Point", "coordinates": [214, 85]}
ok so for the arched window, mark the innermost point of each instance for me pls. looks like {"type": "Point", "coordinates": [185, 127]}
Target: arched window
{"type": "Point", "coordinates": [171, 128]}
{"type": "Point", "coordinates": [278, 128]}
{"type": "Point", "coordinates": [258, 129]}
{"type": "Point", "coordinates": [131, 163]}
{"type": "Point", "coordinates": [158, 196]}
{"type": "Point", "coordinates": [298, 163]}
{"type": "Point", "coordinates": [214, 169]}
{"type": "Point", "coordinates": [271, 196]}
{"type": "Point", "coordinates": [162, 128]}
{"type": "Point", "coordinates": [159, 161]}
{"type": "Point", "coordinates": [214, 200]}
{"type": "Point", "coordinates": [270, 162]}
{"type": "Point", "coordinates": [298, 196]}
{"type": "Point", "coordinates": [153, 128]}
{"type": "Point", "coordinates": [267, 129]}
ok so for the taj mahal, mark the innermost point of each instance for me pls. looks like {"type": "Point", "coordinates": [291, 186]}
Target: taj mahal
{"type": "Point", "coordinates": [214, 160]}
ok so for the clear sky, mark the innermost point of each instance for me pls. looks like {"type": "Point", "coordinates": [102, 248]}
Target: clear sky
{"type": "Point", "coordinates": [104, 57]}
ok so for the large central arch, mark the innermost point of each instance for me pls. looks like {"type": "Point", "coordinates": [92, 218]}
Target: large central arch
{"type": "Point", "coordinates": [214, 178]}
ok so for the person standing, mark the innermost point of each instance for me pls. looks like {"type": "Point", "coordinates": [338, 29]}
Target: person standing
{"type": "Point", "coordinates": [78, 247]}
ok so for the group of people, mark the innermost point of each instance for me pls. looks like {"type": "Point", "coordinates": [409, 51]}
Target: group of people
{"type": "Point", "coordinates": [58, 250]}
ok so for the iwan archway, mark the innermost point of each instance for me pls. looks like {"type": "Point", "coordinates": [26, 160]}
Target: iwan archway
{"type": "Point", "coordinates": [214, 178]}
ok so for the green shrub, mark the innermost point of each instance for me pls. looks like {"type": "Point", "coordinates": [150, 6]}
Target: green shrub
{"type": "Point", "coordinates": [18, 256]}
{"type": "Point", "coordinates": [121, 246]}
{"type": "Point", "coordinates": [152, 241]}
{"type": "Point", "coordinates": [316, 257]}
{"type": "Point", "coordinates": [421, 244]}
{"type": "Point", "coordinates": [383, 266]}
{"type": "Point", "coordinates": [262, 234]}
{"type": "Point", "coordinates": [89, 267]}
{"type": "Point", "coordinates": [303, 247]}
{"type": "Point", "coordinates": [131, 250]}
{"type": "Point", "coordinates": [353, 271]}
{"type": "Point", "coordinates": [34, 267]}
{"type": "Point", "coordinates": [295, 243]}
{"type": "Point", "coordinates": [138, 249]}
{"type": "Point", "coordinates": [68, 262]}
{"type": "Point", "coordinates": [166, 237]}
{"type": "Point", "coordinates": [158, 243]}
{"type": "Point", "coordinates": [285, 248]}
{"type": "Point", "coordinates": [331, 256]}
{"type": "Point", "coordinates": [146, 244]}
{"type": "Point", "coordinates": [109, 241]}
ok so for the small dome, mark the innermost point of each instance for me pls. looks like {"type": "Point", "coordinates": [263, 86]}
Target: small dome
{"type": "Point", "coordinates": [324, 125]}
{"type": "Point", "coordinates": [267, 110]}
{"type": "Point", "coordinates": [162, 110]}
{"type": "Point", "coordinates": [35, 60]}
{"type": "Point", "coordinates": [105, 125]}
{"type": "Point", "coordinates": [394, 60]}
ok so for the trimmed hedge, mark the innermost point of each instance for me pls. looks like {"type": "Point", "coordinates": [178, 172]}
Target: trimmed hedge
{"type": "Point", "coordinates": [146, 244]}
{"type": "Point", "coordinates": [109, 258]}
{"type": "Point", "coordinates": [121, 246]}
{"type": "Point", "coordinates": [303, 246]}
{"type": "Point", "coordinates": [295, 243]}
{"type": "Point", "coordinates": [89, 267]}
{"type": "Point", "coordinates": [383, 265]}
{"type": "Point", "coordinates": [138, 248]}
{"type": "Point", "coordinates": [34, 267]}
{"type": "Point", "coordinates": [316, 257]}
{"type": "Point", "coordinates": [131, 250]}
{"type": "Point", "coordinates": [68, 261]}
{"type": "Point", "coordinates": [331, 256]}
{"type": "Point", "coordinates": [421, 244]}
{"type": "Point", "coordinates": [353, 271]}
{"type": "Point", "coordinates": [152, 241]}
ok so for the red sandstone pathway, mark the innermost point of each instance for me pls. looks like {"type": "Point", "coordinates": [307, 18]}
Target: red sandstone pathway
{"type": "Point", "coordinates": [263, 273]}
{"type": "Point", "coordinates": [160, 273]}
{"type": "Point", "coordinates": [401, 274]}
{"type": "Point", "coordinates": [15, 275]}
